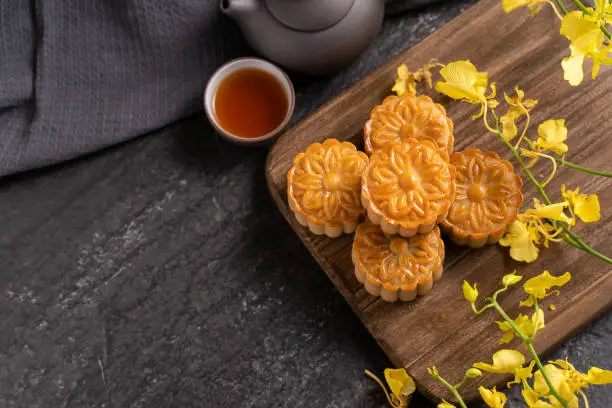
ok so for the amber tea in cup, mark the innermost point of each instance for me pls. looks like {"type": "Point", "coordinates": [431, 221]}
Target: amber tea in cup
{"type": "Point", "coordinates": [250, 103]}
{"type": "Point", "coordinates": [249, 100]}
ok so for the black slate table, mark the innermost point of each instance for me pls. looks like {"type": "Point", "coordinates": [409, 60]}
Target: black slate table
{"type": "Point", "coordinates": [159, 273]}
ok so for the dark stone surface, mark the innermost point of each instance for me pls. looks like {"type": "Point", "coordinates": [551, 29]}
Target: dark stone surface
{"type": "Point", "coordinates": [160, 274]}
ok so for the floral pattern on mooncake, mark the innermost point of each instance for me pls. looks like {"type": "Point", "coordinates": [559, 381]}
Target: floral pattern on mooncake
{"type": "Point", "coordinates": [487, 198]}
{"type": "Point", "coordinates": [408, 187]}
{"type": "Point", "coordinates": [399, 118]}
{"type": "Point", "coordinates": [323, 187]}
{"type": "Point", "coordinates": [395, 267]}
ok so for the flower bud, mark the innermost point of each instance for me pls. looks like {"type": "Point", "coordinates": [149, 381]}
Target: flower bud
{"type": "Point", "coordinates": [511, 279]}
{"type": "Point", "coordinates": [469, 292]}
{"type": "Point", "coordinates": [473, 373]}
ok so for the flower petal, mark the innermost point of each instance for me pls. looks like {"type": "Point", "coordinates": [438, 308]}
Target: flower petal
{"type": "Point", "coordinates": [574, 25]}
{"type": "Point", "coordinates": [509, 5]}
{"type": "Point", "coordinates": [492, 398]}
{"type": "Point", "coordinates": [598, 376]}
{"type": "Point", "coordinates": [463, 81]}
{"type": "Point", "coordinates": [400, 383]}
{"type": "Point", "coordinates": [550, 211]}
{"type": "Point", "coordinates": [522, 374]}
{"type": "Point", "coordinates": [553, 131]}
{"type": "Point", "coordinates": [572, 69]}
{"type": "Point", "coordinates": [520, 241]}
{"type": "Point", "coordinates": [539, 285]}
{"type": "Point", "coordinates": [504, 362]}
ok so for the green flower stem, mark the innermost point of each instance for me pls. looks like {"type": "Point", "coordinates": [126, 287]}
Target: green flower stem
{"type": "Point", "coordinates": [452, 389]}
{"type": "Point", "coordinates": [525, 169]}
{"type": "Point", "coordinates": [571, 165]}
{"type": "Point", "coordinates": [552, 389]}
{"type": "Point", "coordinates": [574, 166]}
{"type": "Point", "coordinates": [584, 246]}
{"type": "Point", "coordinates": [561, 6]}
{"type": "Point", "coordinates": [528, 343]}
{"type": "Point", "coordinates": [481, 311]}
{"type": "Point", "coordinates": [544, 196]}
{"type": "Point", "coordinates": [581, 7]}
{"type": "Point", "coordinates": [571, 242]}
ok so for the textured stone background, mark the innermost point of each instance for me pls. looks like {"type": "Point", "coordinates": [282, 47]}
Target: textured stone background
{"type": "Point", "coordinates": [160, 274]}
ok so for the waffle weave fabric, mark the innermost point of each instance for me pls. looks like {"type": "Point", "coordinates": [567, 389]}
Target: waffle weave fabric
{"type": "Point", "coordinates": [80, 75]}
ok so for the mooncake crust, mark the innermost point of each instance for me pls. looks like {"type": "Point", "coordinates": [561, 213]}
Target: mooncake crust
{"type": "Point", "coordinates": [394, 267]}
{"type": "Point", "coordinates": [487, 198]}
{"type": "Point", "coordinates": [409, 116]}
{"type": "Point", "coordinates": [408, 187]}
{"type": "Point", "coordinates": [323, 187]}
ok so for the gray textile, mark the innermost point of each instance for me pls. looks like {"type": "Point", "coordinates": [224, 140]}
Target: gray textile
{"type": "Point", "coordinates": [79, 75]}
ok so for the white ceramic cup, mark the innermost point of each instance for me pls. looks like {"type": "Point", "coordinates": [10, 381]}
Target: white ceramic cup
{"type": "Point", "coordinates": [213, 85]}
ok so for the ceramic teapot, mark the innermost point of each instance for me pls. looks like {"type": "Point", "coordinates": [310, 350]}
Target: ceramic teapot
{"type": "Point", "coordinates": [308, 36]}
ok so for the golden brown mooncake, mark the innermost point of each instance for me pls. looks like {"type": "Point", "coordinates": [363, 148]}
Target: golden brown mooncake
{"type": "Point", "coordinates": [400, 117]}
{"type": "Point", "coordinates": [395, 267]}
{"type": "Point", "coordinates": [323, 187]}
{"type": "Point", "coordinates": [487, 198]}
{"type": "Point", "coordinates": [408, 187]}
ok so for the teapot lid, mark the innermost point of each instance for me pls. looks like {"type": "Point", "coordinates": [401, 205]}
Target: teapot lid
{"type": "Point", "coordinates": [309, 15]}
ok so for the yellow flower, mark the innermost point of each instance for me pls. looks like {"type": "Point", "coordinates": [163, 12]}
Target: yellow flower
{"type": "Point", "coordinates": [522, 374]}
{"type": "Point", "coordinates": [586, 40]}
{"type": "Point", "coordinates": [565, 382]}
{"type": "Point", "coordinates": [602, 12]}
{"type": "Point", "coordinates": [586, 207]}
{"type": "Point", "coordinates": [533, 5]}
{"type": "Point", "coordinates": [553, 134]}
{"type": "Point", "coordinates": [400, 383]}
{"type": "Point", "coordinates": [445, 404]}
{"type": "Point", "coordinates": [532, 398]}
{"type": "Point", "coordinates": [508, 122]}
{"type": "Point", "coordinates": [470, 293]}
{"type": "Point", "coordinates": [463, 81]}
{"type": "Point", "coordinates": [550, 211]}
{"type": "Point", "coordinates": [521, 242]}
{"type": "Point", "coordinates": [504, 362]}
{"type": "Point", "coordinates": [518, 108]}
{"type": "Point", "coordinates": [529, 326]}
{"type": "Point", "coordinates": [597, 376]}
{"type": "Point", "coordinates": [404, 82]}
{"type": "Point", "coordinates": [519, 100]}
{"type": "Point", "coordinates": [531, 227]}
{"type": "Point", "coordinates": [511, 279]}
{"type": "Point", "coordinates": [492, 398]}
{"type": "Point", "coordinates": [538, 286]}
{"type": "Point", "coordinates": [568, 381]}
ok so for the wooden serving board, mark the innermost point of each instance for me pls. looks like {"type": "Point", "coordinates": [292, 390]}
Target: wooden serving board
{"type": "Point", "coordinates": [440, 329]}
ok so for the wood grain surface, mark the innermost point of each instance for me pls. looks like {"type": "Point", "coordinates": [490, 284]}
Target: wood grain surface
{"type": "Point", "coordinates": [440, 329]}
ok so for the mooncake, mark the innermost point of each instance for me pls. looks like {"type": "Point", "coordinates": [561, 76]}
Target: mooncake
{"type": "Point", "coordinates": [399, 118]}
{"type": "Point", "coordinates": [487, 198]}
{"type": "Point", "coordinates": [408, 187]}
{"type": "Point", "coordinates": [394, 267]}
{"type": "Point", "coordinates": [323, 187]}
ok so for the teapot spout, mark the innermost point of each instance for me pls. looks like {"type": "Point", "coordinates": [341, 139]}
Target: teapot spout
{"type": "Point", "coordinates": [237, 9]}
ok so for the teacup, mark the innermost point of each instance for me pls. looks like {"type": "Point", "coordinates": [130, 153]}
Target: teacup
{"type": "Point", "coordinates": [242, 104]}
